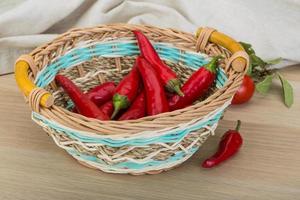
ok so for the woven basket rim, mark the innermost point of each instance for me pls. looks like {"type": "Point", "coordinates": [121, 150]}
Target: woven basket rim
{"type": "Point", "coordinates": [41, 58]}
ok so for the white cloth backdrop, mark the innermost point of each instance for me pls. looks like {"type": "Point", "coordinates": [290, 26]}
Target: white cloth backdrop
{"type": "Point", "coordinates": [272, 26]}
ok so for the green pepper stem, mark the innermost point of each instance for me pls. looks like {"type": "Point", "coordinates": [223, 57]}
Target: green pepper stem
{"type": "Point", "coordinates": [117, 108]}
{"type": "Point", "coordinates": [174, 86]}
{"type": "Point", "coordinates": [212, 65]}
{"type": "Point", "coordinates": [178, 91]}
{"type": "Point", "coordinates": [238, 125]}
{"type": "Point", "coordinates": [120, 102]}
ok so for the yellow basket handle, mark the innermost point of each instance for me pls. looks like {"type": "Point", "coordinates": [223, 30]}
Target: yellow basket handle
{"type": "Point", "coordinates": [22, 66]}
{"type": "Point", "coordinates": [241, 59]}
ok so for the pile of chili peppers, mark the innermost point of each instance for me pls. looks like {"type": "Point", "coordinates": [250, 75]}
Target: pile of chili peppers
{"type": "Point", "coordinates": [150, 88]}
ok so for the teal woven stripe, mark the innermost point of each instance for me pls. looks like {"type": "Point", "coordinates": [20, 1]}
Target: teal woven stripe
{"type": "Point", "coordinates": [221, 78]}
{"type": "Point", "coordinates": [173, 54]}
{"type": "Point", "coordinates": [133, 165]}
{"type": "Point", "coordinates": [116, 49]}
{"type": "Point", "coordinates": [171, 137]}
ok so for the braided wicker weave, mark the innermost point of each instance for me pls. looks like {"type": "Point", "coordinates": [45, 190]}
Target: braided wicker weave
{"type": "Point", "coordinates": [92, 56]}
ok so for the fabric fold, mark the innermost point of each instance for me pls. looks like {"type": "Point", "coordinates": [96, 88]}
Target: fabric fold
{"type": "Point", "coordinates": [272, 27]}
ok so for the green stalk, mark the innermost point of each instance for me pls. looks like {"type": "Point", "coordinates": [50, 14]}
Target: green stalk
{"type": "Point", "coordinates": [120, 102]}
{"type": "Point", "coordinates": [238, 125]}
{"type": "Point", "coordinates": [212, 65]}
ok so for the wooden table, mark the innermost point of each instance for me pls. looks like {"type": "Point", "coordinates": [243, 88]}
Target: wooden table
{"type": "Point", "coordinates": [32, 167]}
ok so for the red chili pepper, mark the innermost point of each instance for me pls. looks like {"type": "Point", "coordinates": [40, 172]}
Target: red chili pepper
{"type": "Point", "coordinates": [74, 110]}
{"type": "Point", "coordinates": [196, 85]}
{"type": "Point", "coordinates": [126, 91]}
{"type": "Point", "coordinates": [83, 104]}
{"type": "Point", "coordinates": [169, 95]}
{"type": "Point", "coordinates": [137, 109]}
{"type": "Point", "coordinates": [245, 91]}
{"type": "Point", "coordinates": [107, 108]}
{"type": "Point", "coordinates": [228, 146]}
{"type": "Point", "coordinates": [166, 74]}
{"type": "Point", "coordinates": [156, 101]}
{"type": "Point", "coordinates": [102, 93]}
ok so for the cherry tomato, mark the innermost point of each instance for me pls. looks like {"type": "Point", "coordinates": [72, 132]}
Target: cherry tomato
{"type": "Point", "coordinates": [245, 92]}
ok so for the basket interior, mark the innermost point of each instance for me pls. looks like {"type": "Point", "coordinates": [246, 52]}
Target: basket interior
{"type": "Point", "coordinates": [112, 59]}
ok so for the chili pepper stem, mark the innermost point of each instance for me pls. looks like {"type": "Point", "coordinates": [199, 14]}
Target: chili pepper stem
{"type": "Point", "coordinates": [117, 108]}
{"type": "Point", "coordinates": [238, 125]}
{"type": "Point", "coordinates": [178, 91]}
{"type": "Point", "coordinates": [120, 102]}
{"type": "Point", "coordinates": [174, 86]}
{"type": "Point", "coordinates": [212, 65]}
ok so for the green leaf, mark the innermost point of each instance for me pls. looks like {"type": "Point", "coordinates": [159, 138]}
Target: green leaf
{"type": "Point", "coordinates": [273, 61]}
{"type": "Point", "coordinates": [288, 94]}
{"type": "Point", "coordinates": [247, 47]}
{"type": "Point", "coordinates": [264, 86]}
{"type": "Point", "coordinates": [250, 69]}
{"type": "Point", "coordinates": [257, 61]}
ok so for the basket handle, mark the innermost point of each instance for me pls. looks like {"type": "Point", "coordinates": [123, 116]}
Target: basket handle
{"type": "Point", "coordinates": [28, 88]}
{"type": "Point", "coordinates": [240, 59]}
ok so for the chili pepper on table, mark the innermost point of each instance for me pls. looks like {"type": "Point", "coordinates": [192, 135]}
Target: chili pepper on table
{"type": "Point", "coordinates": [102, 93]}
{"type": "Point", "coordinates": [166, 74]}
{"type": "Point", "coordinates": [126, 91]}
{"type": "Point", "coordinates": [156, 101]}
{"type": "Point", "coordinates": [137, 109]}
{"type": "Point", "coordinates": [83, 104]}
{"type": "Point", "coordinates": [199, 82]}
{"type": "Point", "coordinates": [107, 108]}
{"type": "Point", "coordinates": [228, 146]}
{"type": "Point", "coordinates": [245, 91]}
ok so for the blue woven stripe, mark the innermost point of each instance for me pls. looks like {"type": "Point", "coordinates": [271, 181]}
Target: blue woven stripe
{"type": "Point", "coordinates": [133, 165]}
{"type": "Point", "coordinates": [115, 49]}
{"type": "Point", "coordinates": [221, 78]}
{"type": "Point", "coordinates": [171, 137]}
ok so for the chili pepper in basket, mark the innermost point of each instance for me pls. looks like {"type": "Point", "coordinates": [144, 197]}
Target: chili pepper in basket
{"type": "Point", "coordinates": [74, 110]}
{"type": "Point", "coordinates": [102, 93]}
{"type": "Point", "coordinates": [166, 74]}
{"type": "Point", "coordinates": [228, 146]}
{"type": "Point", "coordinates": [107, 108]}
{"type": "Point", "coordinates": [126, 91]}
{"type": "Point", "coordinates": [137, 109]}
{"type": "Point", "coordinates": [156, 101]}
{"type": "Point", "coordinates": [199, 82]}
{"type": "Point", "coordinates": [169, 95]}
{"type": "Point", "coordinates": [245, 91]}
{"type": "Point", "coordinates": [83, 104]}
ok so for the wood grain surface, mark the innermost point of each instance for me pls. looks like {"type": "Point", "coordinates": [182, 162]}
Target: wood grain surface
{"type": "Point", "coordinates": [32, 167]}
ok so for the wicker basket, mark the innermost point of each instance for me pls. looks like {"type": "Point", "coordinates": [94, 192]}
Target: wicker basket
{"type": "Point", "coordinates": [94, 55]}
